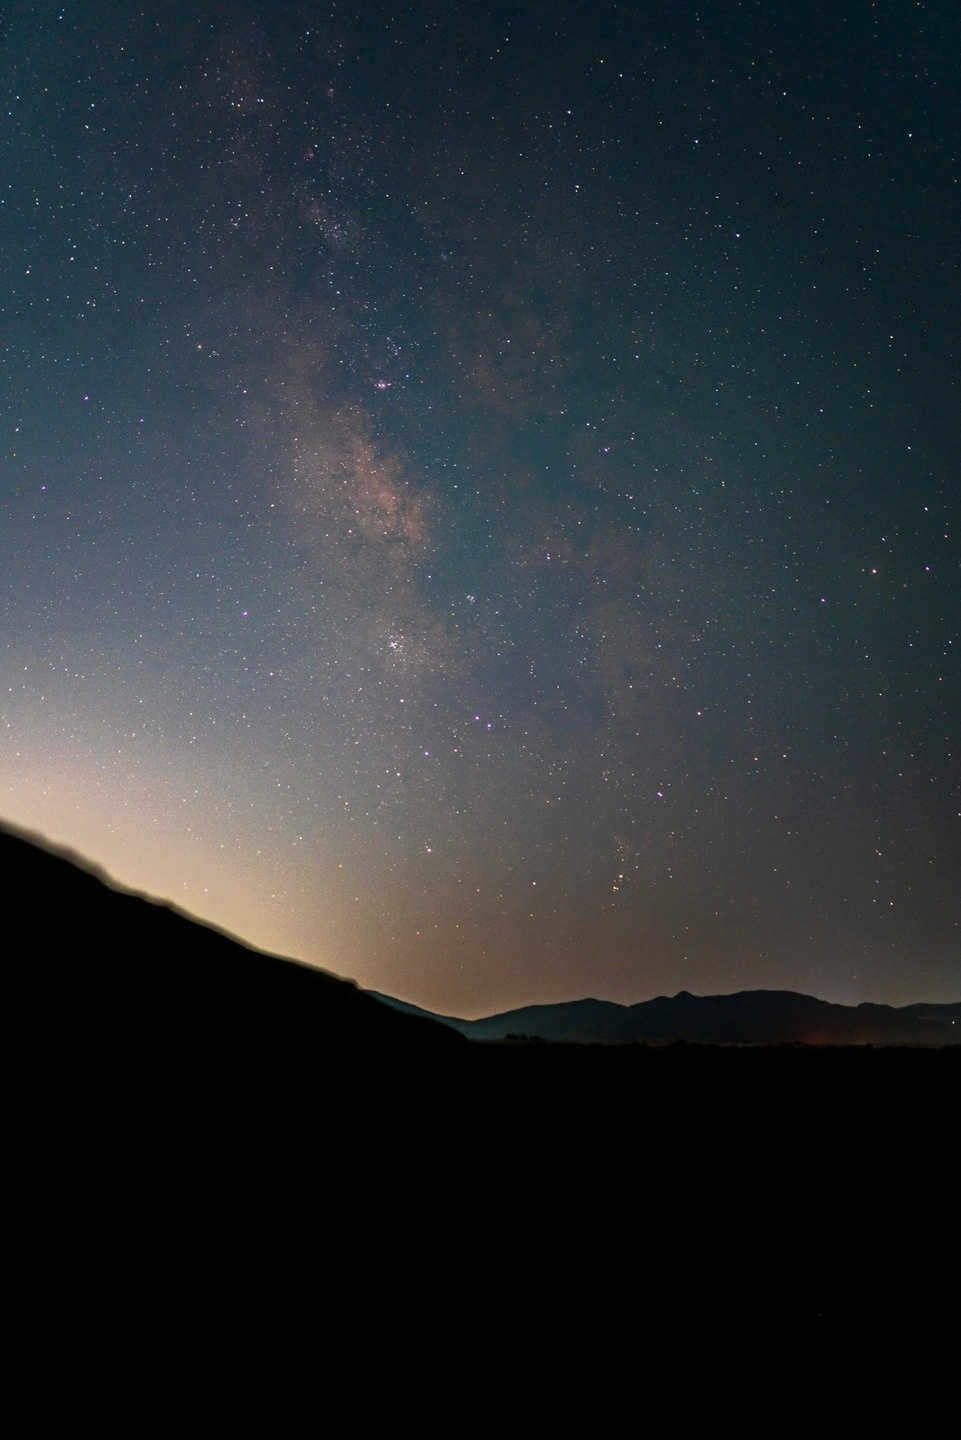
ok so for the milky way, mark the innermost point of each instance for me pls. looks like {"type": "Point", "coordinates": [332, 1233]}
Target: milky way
{"type": "Point", "coordinates": [479, 487]}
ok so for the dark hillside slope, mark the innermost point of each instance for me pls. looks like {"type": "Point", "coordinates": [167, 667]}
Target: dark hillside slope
{"type": "Point", "coordinates": [141, 1038]}
{"type": "Point", "coordinates": [99, 969]}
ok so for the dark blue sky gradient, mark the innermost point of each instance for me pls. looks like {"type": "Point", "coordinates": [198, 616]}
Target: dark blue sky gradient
{"type": "Point", "coordinates": [479, 485]}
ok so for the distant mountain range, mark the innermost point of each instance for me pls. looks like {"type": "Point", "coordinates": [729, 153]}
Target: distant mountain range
{"type": "Point", "coordinates": [750, 1017]}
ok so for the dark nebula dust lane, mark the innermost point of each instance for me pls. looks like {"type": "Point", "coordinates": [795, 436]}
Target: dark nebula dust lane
{"type": "Point", "coordinates": [478, 486]}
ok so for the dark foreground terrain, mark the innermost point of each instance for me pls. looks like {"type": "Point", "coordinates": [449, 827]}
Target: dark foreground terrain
{"type": "Point", "coordinates": [209, 1144]}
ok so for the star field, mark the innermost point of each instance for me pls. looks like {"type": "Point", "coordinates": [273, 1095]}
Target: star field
{"type": "Point", "coordinates": [478, 485]}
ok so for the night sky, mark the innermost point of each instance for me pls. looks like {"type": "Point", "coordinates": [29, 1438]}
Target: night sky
{"type": "Point", "coordinates": [479, 484]}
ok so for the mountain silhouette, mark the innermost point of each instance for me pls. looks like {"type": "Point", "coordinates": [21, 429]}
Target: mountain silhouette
{"type": "Point", "coordinates": [568, 1020]}
{"type": "Point", "coordinates": [750, 1017]}
{"type": "Point", "coordinates": [100, 971]}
